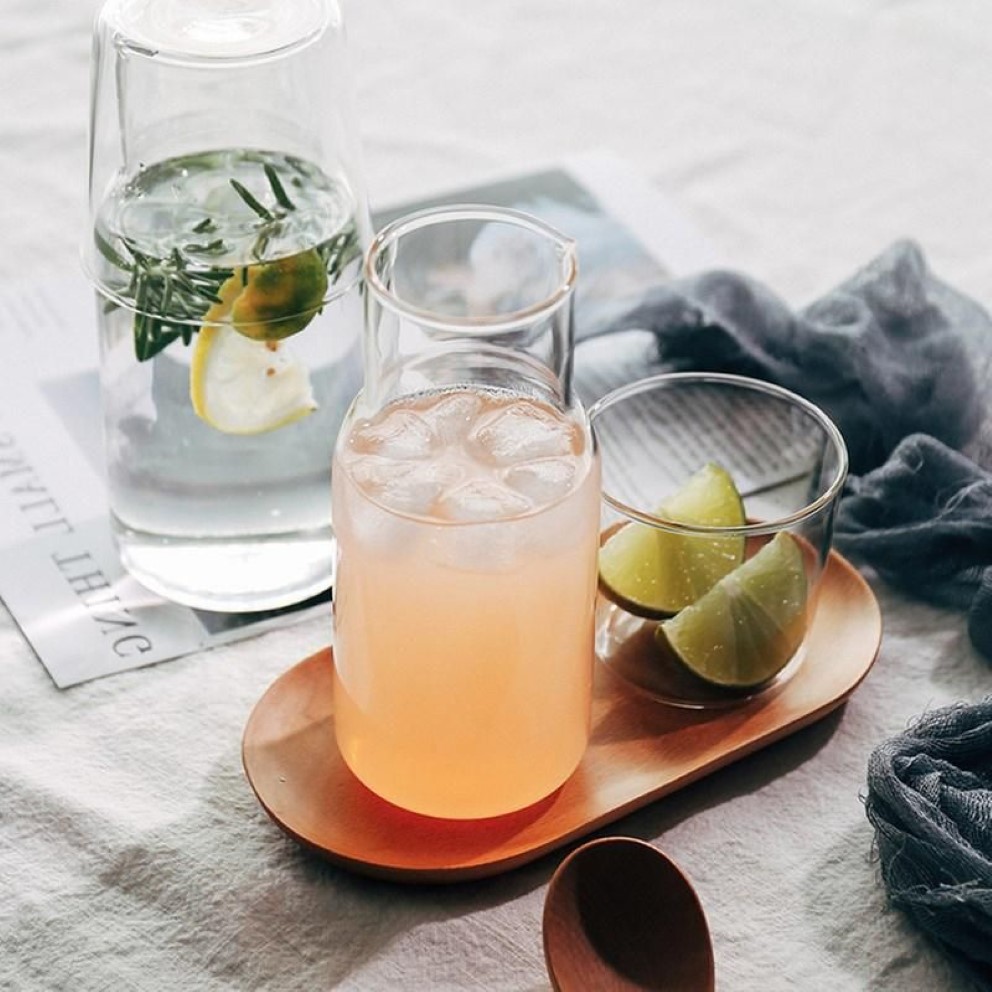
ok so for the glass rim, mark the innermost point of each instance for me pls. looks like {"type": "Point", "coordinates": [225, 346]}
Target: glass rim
{"type": "Point", "coordinates": [486, 325]}
{"type": "Point", "coordinates": [664, 379]}
{"type": "Point", "coordinates": [109, 20]}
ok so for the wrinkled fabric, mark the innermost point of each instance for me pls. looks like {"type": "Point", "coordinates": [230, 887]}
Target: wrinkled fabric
{"type": "Point", "coordinates": [133, 855]}
{"type": "Point", "coordinates": [924, 521]}
{"type": "Point", "coordinates": [900, 361]}
{"type": "Point", "coordinates": [930, 801]}
{"type": "Point", "coordinates": [884, 354]}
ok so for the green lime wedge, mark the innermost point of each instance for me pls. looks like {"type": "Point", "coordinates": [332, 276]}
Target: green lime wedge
{"type": "Point", "coordinates": [655, 573]}
{"type": "Point", "coordinates": [745, 630]}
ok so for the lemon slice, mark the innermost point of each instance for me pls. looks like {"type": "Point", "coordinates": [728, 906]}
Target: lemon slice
{"type": "Point", "coordinates": [745, 630]}
{"type": "Point", "coordinates": [656, 573]}
{"type": "Point", "coordinates": [241, 386]}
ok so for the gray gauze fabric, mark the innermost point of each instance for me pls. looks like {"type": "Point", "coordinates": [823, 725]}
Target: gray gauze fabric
{"type": "Point", "coordinates": [893, 355]}
{"type": "Point", "coordinates": [924, 519]}
{"type": "Point", "coordinates": [930, 800]}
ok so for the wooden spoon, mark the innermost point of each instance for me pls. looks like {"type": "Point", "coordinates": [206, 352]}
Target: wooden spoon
{"type": "Point", "coordinates": [620, 916]}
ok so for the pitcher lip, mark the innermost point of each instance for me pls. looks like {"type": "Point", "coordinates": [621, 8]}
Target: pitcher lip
{"type": "Point", "coordinates": [485, 325]}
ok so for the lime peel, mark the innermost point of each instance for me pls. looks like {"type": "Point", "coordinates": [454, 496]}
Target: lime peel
{"type": "Point", "coordinates": [747, 628]}
{"type": "Point", "coordinates": [654, 572]}
{"type": "Point", "coordinates": [279, 298]}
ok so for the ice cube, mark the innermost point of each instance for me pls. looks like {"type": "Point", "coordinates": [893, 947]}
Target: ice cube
{"type": "Point", "coordinates": [400, 434]}
{"type": "Point", "coordinates": [452, 416]}
{"type": "Point", "coordinates": [372, 473]}
{"type": "Point", "coordinates": [523, 432]}
{"type": "Point", "coordinates": [405, 486]}
{"type": "Point", "coordinates": [482, 499]}
{"type": "Point", "coordinates": [542, 481]}
{"type": "Point", "coordinates": [417, 490]}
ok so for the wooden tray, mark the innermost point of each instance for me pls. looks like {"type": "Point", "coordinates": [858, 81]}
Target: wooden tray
{"type": "Point", "coordinates": [640, 750]}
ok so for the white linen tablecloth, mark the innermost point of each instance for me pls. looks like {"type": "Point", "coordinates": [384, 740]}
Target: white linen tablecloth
{"type": "Point", "coordinates": [802, 137]}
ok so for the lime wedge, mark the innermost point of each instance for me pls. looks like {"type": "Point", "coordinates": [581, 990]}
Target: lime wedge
{"type": "Point", "coordinates": [745, 630]}
{"type": "Point", "coordinates": [281, 297]}
{"type": "Point", "coordinates": [656, 573]}
{"type": "Point", "coordinates": [241, 386]}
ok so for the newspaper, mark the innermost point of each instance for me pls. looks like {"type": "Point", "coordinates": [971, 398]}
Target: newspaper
{"type": "Point", "coordinates": [59, 573]}
{"type": "Point", "coordinates": [771, 450]}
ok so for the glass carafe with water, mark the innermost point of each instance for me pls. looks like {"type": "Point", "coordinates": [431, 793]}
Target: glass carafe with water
{"type": "Point", "coordinates": [466, 503]}
{"type": "Point", "coordinates": [228, 222]}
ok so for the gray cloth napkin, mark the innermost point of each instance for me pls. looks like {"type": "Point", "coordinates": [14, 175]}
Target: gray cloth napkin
{"type": "Point", "coordinates": [924, 519]}
{"type": "Point", "coordinates": [902, 363]}
{"type": "Point", "coordinates": [930, 801]}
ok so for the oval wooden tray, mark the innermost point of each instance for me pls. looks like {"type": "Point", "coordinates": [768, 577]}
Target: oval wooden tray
{"type": "Point", "coordinates": [639, 751]}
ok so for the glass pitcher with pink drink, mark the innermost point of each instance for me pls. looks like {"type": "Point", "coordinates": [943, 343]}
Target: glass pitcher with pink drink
{"type": "Point", "coordinates": [466, 490]}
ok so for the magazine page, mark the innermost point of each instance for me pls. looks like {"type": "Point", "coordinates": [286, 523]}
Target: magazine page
{"type": "Point", "coordinates": [59, 573]}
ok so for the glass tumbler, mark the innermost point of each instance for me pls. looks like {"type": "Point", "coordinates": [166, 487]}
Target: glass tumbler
{"type": "Point", "coordinates": [466, 504]}
{"type": "Point", "coordinates": [227, 224]}
{"type": "Point", "coordinates": [719, 497]}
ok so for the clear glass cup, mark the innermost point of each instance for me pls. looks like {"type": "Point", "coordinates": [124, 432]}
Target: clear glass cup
{"type": "Point", "coordinates": [228, 219]}
{"type": "Point", "coordinates": [658, 626]}
{"type": "Point", "coordinates": [466, 505]}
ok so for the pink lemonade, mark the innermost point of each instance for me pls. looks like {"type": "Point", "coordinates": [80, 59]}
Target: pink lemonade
{"type": "Point", "coordinates": [467, 525]}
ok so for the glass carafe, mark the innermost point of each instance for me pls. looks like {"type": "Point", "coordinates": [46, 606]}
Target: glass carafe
{"type": "Point", "coordinates": [228, 223]}
{"type": "Point", "coordinates": [466, 504]}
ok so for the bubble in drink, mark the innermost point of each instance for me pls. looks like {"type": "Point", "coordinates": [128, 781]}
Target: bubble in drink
{"type": "Point", "coordinates": [524, 431]}
{"type": "Point", "coordinates": [544, 480]}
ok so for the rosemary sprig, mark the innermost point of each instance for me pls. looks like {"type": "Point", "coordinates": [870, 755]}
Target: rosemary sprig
{"type": "Point", "coordinates": [278, 190]}
{"type": "Point", "coordinates": [339, 252]}
{"type": "Point", "coordinates": [215, 247]}
{"type": "Point", "coordinates": [170, 296]}
{"type": "Point", "coordinates": [249, 198]}
{"type": "Point", "coordinates": [271, 225]}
